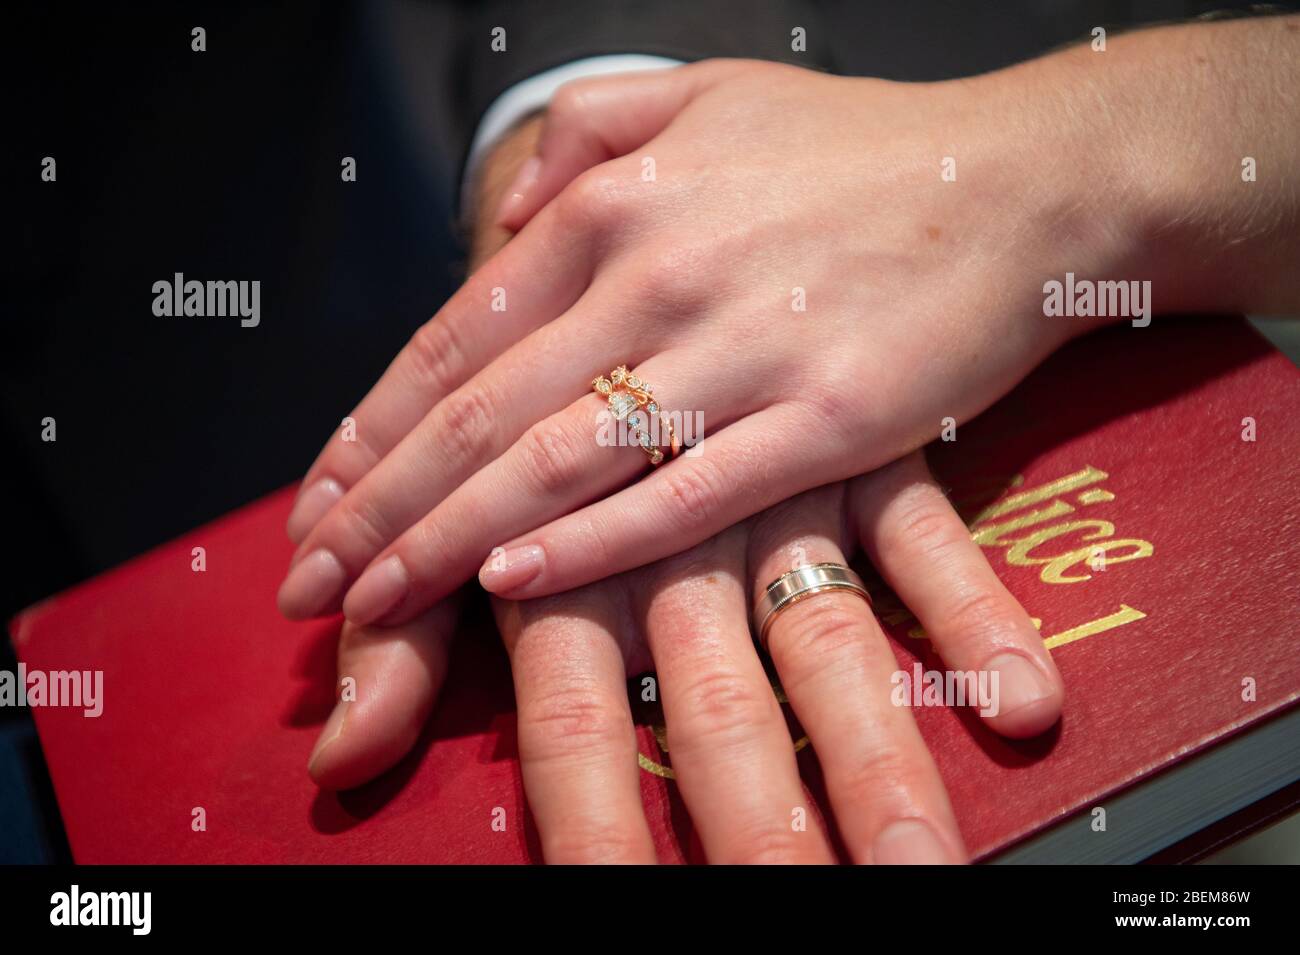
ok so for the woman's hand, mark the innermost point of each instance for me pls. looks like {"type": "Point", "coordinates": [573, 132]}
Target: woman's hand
{"type": "Point", "coordinates": [797, 275]}
{"type": "Point", "coordinates": [687, 618]}
{"type": "Point", "coordinates": [773, 188]}
{"type": "Point", "coordinates": [1082, 151]}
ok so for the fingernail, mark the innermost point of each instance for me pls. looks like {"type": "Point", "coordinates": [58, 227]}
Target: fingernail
{"type": "Point", "coordinates": [523, 182]}
{"type": "Point", "coordinates": [380, 589]}
{"type": "Point", "coordinates": [311, 507]}
{"type": "Point", "coordinates": [312, 586]}
{"type": "Point", "coordinates": [1020, 683]}
{"type": "Point", "coordinates": [910, 842]}
{"type": "Point", "coordinates": [331, 731]}
{"type": "Point", "coordinates": [507, 570]}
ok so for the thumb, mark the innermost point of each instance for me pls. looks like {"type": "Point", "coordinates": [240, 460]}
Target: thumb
{"type": "Point", "coordinates": [396, 674]}
{"type": "Point", "coordinates": [591, 121]}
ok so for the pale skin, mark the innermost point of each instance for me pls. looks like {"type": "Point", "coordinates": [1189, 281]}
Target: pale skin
{"type": "Point", "coordinates": [927, 298]}
{"type": "Point", "coordinates": [732, 752]}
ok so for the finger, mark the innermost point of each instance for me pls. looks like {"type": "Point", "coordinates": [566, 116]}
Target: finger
{"type": "Point", "coordinates": [730, 746]}
{"type": "Point", "coordinates": [837, 670]}
{"type": "Point", "coordinates": [389, 679]}
{"type": "Point", "coordinates": [558, 465]}
{"type": "Point", "coordinates": [925, 552]}
{"type": "Point", "coordinates": [471, 427]}
{"type": "Point", "coordinates": [727, 477]}
{"type": "Point", "coordinates": [469, 331]}
{"type": "Point", "coordinates": [593, 120]}
{"type": "Point", "coordinates": [460, 435]}
{"type": "Point", "coordinates": [577, 742]}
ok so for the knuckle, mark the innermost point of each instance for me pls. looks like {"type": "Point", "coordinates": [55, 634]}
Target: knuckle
{"type": "Point", "coordinates": [599, 540]}
{"type": "Point", "coordinates": [571, 723]}
{"type": "Point", "coordinates": [979, 614]}
{"type": "Point", "coordinates": [768, 843]}
{"type": "Point", "coordinates": [693, 496]}
{"type": "Point", "coordinates": [550, 457]}
{"type": "Point", "coordinates": [433, 540]}
{"type": "Point", "coordinates": [830, 402]}
{"type": "Point", "coordinates": [691, 575]}
{"type": "Point", "coordinates": [584, 842]}
{"type": "Point", "coordinates": [598, 199]}
{"type": "Point", "coordinates": [722, 706]}
{"type": "Point", "coordinates": [467, 424]}
{"type": "Point", "coordinates": [436, 355]}
{"type": "Point", "coordinates": [924, 521]}
{"type": "Point", "coordinates": [547, 621]}
{"type": "Point", "coordinates": [679, 278]}
{"type": "Point", "coordinates": [823, 629]}
{"type": "Point", "coordinates": [569, 102]}
{"type": "Point", "coordinates": [363, 520]}
{"type": "Point", "coordinates": [883, 781]}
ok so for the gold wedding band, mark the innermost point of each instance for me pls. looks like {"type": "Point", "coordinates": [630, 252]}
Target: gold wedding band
{"type": "Point", "coordinates": [632, 400]}
{"type": "Point", "coordinates": [800, 584]}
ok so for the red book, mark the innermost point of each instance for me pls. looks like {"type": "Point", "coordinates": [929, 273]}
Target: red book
{"type": "Point", "coordinates": [1178, 656]}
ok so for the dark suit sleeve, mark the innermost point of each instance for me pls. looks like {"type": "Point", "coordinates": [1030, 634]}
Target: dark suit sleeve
{"type": "Point", "coordinates": [542, 35]}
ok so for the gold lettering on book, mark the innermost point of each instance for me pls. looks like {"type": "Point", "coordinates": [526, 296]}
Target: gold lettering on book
{"type": "Point", "coordinates": [1098, 495]}
{"type": "Point", "coordinates": [1019, 551]}
{"type": "Point", "coordinates": [1125, 614]}
{"type": "Point", "coordinates": [1015, 502]}
{"type": "Point", "coordinates": [1057, 568]}
{"type": "Point", "coordinates": [991, 536]}
{"type": "Point", "coordinates": [998, 525]}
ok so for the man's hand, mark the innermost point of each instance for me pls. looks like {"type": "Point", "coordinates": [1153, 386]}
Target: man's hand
{"type": "Point", "coordinates": [500, 173]}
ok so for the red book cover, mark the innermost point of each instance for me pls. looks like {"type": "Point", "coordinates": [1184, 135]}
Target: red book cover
{"type": "Point", "coordinates": [1173, 448]}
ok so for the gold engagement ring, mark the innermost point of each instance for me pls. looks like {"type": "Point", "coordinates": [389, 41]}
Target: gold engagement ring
{"type": "Point", "coordinates": [632, 401]}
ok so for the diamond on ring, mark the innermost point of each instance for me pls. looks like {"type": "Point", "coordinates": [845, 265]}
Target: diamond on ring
{"type": "Point", "coordinates": [621, 403]}
{"type": "Point", "coordinates": [629, 401]}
